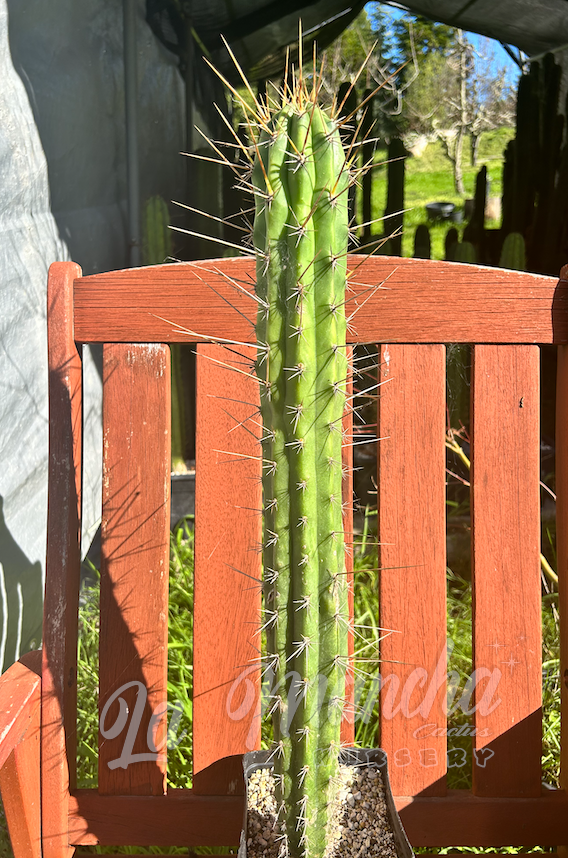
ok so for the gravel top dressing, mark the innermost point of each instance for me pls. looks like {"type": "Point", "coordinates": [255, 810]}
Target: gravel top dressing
{"type": "Point", "coordinates": [359, 820]}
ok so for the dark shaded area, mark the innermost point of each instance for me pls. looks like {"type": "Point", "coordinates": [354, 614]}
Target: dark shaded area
{"type": "Point", "coordinates": [24, 595]}
{"type": "Point", "coordinates": [258, 32]}
{"type": "Point", "coordinates": [223, 777]}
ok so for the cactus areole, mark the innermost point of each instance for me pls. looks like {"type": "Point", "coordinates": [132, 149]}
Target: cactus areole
{"type": "Point", "coordinates": [300, 179]}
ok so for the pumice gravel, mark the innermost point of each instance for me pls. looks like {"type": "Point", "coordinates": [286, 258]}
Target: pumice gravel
{"type": "Point", "coordinates": [359, 821]}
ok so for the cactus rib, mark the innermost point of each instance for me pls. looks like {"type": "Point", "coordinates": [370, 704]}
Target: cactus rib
{"type": "Point", "coordinates": [300, 181]}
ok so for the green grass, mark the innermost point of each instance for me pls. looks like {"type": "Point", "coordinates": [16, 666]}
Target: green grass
{"type": "Point", "coordinates": [429, 179]}
{"type": "Point", "coordinates": [459, 631]}
{"type": "Point", "coordinates": [367, 637]}
{"type": "Point", "coordinates": [180, 668]}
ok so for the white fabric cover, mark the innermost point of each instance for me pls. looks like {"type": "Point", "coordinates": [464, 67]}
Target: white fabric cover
{"type": "Point", "coordinates": [62, 135]}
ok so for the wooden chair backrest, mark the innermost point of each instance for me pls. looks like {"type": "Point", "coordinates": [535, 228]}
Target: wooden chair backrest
{"type": "Point", "coordinates": [411, 308]}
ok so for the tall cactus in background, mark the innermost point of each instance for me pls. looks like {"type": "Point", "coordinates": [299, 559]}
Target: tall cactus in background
{"type": "Point", "coordinates": [422, 242]}
{"type": "Point", "coordinates": [301, 180]}
{"type": "Point", "coordinates": [464, 251]}
{"type": "Point", "coordinates": [156, 234]}
{"type": "Point", "coordinates": [156, 249]}
{"type": "Point", "coordinates": [395, 194]}
{"type": "Point", "coordinates": [513, 253]}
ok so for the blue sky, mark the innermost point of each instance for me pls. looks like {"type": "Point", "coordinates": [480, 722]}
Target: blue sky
{"type": "Point", "coordinates": [499, 57]}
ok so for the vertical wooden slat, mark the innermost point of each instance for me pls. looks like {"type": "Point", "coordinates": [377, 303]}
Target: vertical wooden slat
{"type": "Point", "coordinates": [348, 720]}
{"type": "Point", "coordinates": [562, 547]}
{"type": "Point", "coordinates": [59, 661]}
{"type": "Point", "coordinates": [20, 787]}
{"type": "Point", "coordinates": [506, 571]}
{"type": "Point", "coordinates": [134, 568]}
{"type": "Point", "coordinates": [412, 563]}
{"type": "Point", "coordinates": [228, 521]}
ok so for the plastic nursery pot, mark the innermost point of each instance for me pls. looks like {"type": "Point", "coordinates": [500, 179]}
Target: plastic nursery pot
{"type": "Point", "coordinates": [440, 211]}
{"type": "Point", "coordinates": [362, 758]}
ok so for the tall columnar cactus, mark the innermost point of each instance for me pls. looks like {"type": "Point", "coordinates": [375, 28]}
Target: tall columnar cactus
{"type": "Point", "coordinates": [451, 239]}
{"type": "Point", "coordinates": [513, 252]}
{"type": "Point", "coordinates": [422, 242]}
{"type": "Point", "coordinates": [156, 234]}
{"type": "Point", "coordinates": [464, 251]}
{"type": "Point", "coordinates": [395, 194]}
{"type": "Point", "coordinates": [301, 181]}
{"type": "Point", "coordinates": [156, 249]}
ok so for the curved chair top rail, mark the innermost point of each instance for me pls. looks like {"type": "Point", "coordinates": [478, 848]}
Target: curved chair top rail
{"type": "Point", "coordinates": [389, 299]}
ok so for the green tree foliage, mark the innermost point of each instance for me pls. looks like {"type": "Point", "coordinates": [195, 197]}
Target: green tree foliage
{"type": "Point", "coordinates": [428, 99]}
{"type": "Point", "coordinates": [420, 37]}
{"type": "Point", "coordinates": [345, 57]}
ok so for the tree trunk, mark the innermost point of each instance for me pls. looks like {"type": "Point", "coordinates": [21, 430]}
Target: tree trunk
{"type": "Point", "coordinates": [473, 148]}
{"type": "Point", "coordinates": [458, 171]}
{"type": "Point", "coordinates": [453, 149]}
{"type": "Point", "coordinates": [462, 123]}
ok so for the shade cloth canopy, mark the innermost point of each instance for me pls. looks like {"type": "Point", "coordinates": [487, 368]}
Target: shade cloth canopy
{"type": "Point", "coordinates": [534, 26]}
{"type": "Point", "coordinates": [259, 31]}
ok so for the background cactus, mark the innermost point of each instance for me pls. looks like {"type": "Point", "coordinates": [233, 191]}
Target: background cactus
{"type": "Point", "coordinates": [300, 180]}
{"type": "Point", "coordinates": [474, 232]}
{"type": "Point", "coordinates": [156, 234]}
{"type": "Point", "coordinates": [535, 176]}
{"type": "Point", "coordinates": [450, 241]}
{"type": "Point", "coordinates": [464, 251]}
{"type": "Point", "coordinates": [513, 252]}
{"type": "Point", "coordinates": [156, 249]}
{"type": "Point", "coordinates": [422, 243]}
{"type": "Point", "coordinates": [396, 156]}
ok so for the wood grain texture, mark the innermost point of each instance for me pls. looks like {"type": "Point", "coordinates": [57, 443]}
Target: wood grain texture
{"type": "Point", "coordinates": [506, 570]}
{"type": "Point", "coordinates": [228, 521]}
{"type": "Point", "coordinates": [59, 671]}
{"type": "Point", "coordinates": [416, 300]}
{"type": "Point", "coordinates": [562, 548]}
{"type": "Point", "coordinates": [20, 788]}
{"type": "Point", "coordinates": [348, 720]}
{"type": "Point", "coordinates": [412, 564]}
{"type": "Point", "coordinates": [420, 302]}
{"type": "Point", "coordinates": [461, 819]}
{"type": "Point", "coordinates": [134, 567]}
{"type": "Point", "coordinates": [181, 817]}
{"type": "Point", "coordinates": [20, 688]}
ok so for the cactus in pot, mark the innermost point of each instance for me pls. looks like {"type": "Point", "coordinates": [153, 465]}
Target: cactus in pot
{"type": "Point", "coordinates": [301, 179]}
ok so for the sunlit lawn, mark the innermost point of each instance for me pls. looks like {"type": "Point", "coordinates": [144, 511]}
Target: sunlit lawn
{"type": "Point", "coordinates": [429, 179]}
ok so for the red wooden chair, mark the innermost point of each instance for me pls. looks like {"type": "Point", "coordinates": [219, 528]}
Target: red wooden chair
{"type": "Point", "coordinates": [423, 305]}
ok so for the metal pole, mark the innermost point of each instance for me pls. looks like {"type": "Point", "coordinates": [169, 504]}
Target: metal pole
{"type": "Point", "coordinates": [131, 111]}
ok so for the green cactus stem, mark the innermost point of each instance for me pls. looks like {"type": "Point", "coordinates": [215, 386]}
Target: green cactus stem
{"type": "Point", "coordinates": [464, 251]}
{"type": "Point", "coordinates": [156, 235]}
{"type": "Point", "coordinates": [368, 126]}
{"type": "Point", "coordinates": [474, 232]}
{"type": "Point", "coordinates": [395, 194]}
{"type": "Point", "coordinates": [422, 243]}
{"type": "Point", "coordinates": [301, 182]}
{"type": "Point", "coordinates": [513, 252]}
{"type": "Point", "coordinates": [458, 358]}
{"type": "Point", "coordinates": [451, 239]}
{"type": "Point", "coordinates": [156, 248]}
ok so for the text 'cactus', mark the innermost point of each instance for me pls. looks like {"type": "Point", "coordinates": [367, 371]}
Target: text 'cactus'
{"type": "Point", "coordinates": [300, 180]}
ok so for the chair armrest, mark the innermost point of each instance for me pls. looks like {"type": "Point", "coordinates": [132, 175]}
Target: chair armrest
{"type": "Point", "coordinates": [19, 699]}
